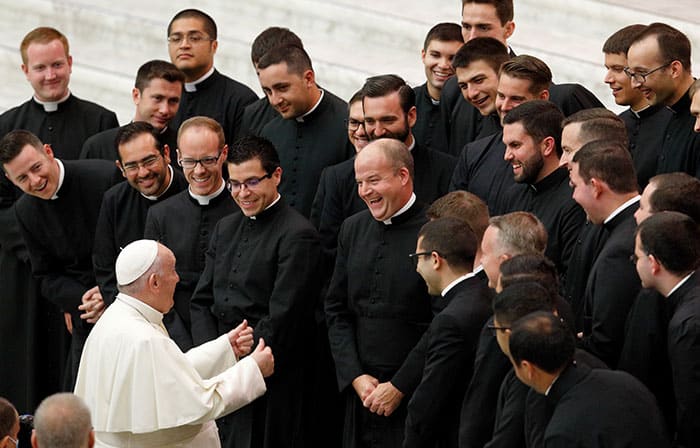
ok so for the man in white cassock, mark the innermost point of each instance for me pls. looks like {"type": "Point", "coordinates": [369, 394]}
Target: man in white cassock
{"type": "Point", "coordinates": [141, 389]}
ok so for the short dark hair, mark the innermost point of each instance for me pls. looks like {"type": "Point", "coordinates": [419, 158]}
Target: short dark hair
{"type": "Point", "coordinates": [487, 49]}
{"type": "Point", "coordinates": [452, 239]}
{"type": "Point", "coordinates": [504, 8]}
{"type": "Point", "coordinates": [619, 42]}
{"type": "Point", "coordinates": [296, 58]}
{"type": "Point", "coordinates": [673, 239]}
{"type": "Point", "coordinates": [383, 85]}
{"type": "Point", "coordinates": [462, 205]}
{"type": "Point", "coordinates": [673, 44]}
{"type": "Point", "coordinates": [157, 69]}
{"type": "Point", "coordinates": [253, 147]}
{"type": "Point", "coordinates": [270, 38]}
{"type": "Point", "coordinates": [608, 161]}
{"type": "Point", "coordinates": [357, 96]}
{"type": "Point", "coordinates": [676, 192]}
{"type": "Point", "coordinates": [530, 68]}
{"type": "Point", "coordinates": [191, 13]}
{"type": "Point", "coordinates": [542, 339]}
{"type": "Point", "coordinates": [8, 417]}
{"type": "Point", "coordinates": [520, 232]}
{"type": "Point", "coordinates": [598, 123]}
{"type": "Point", "coordinates": [528, 268]}
{"type": "Point", "coordinates": [540, 119]}
{"type": "Point", "coordinates": [444, 32]}
{"type": "Point", "coordinates": [131, 131]}
{"type": "Point", "coordinates": [694, 88]}
{"type": "Point", "coordinates": [517, 301]}
{"type": "Point", "coordinates": [14, 142]}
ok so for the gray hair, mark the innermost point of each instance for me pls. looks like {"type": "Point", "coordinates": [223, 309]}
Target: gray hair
{"type": "Point", "coordinates": [62, 421]}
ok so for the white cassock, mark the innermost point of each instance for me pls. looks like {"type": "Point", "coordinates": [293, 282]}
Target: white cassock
{"type": "Point", "coordinates": [142, 390]}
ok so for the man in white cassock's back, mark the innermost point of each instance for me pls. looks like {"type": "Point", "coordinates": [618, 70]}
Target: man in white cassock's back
{"type": "Point", "coordinates": [141, 389]}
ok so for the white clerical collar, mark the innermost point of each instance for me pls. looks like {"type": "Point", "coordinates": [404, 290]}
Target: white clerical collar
{"type": "Point", "coordinates": [300, 118]}
{"type": "Point", "coordinates": [546, 392]}
{"type": "Point", "coordinates": [192, 86]}
{"type": "Point", "coordinates": [478, 269]}
{"type": "Point", "coordinates": [621, 208]}
{"type": "Point", "coordinates": [204, 200]}
{"type": "Point", "coordinates": [61, 176]}
{"type": "Point", "coordinates": [155, 198]}
{"type": "Point", "coordinates": [456, 281]}
{"type": "Point", "coordinates": [151, 314]}
{"type": "Point", "coordinates": [408, 205]}
{"type": "Point", "coordinates": [51, 106]}
{"type": "Point", "coordinates": [636, 112]}
{"type": "Point", "coordinates": [413, 143]}
{"type": "Point", "coordinates": [679, 284]}
{"type": "Point", "coordinates": [279, 196]}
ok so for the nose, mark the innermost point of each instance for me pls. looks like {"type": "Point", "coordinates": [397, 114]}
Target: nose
{"type": "Point", "coordinates": [508, 156]}
{"type": "Point", "coordinates": [635, 83]}
{"type": "Point", "coordinates": [608, 79]}
{"type": "Point", "coordinates": [472, 93]}
{"type": "Point", "coordinates": [472, 34]}
{"type": "Point", "coordinates": [696, 128]}
{"type": "Point", "coordinates": [34, 179]}
{"type": "Point", "coordinates": [360, 131]}
{"type": "Point", "coordinates": [50, 72]}
{"type": "Point", "coordinates": [363, 189]}
{"type": "Point", "coordinates": [143, 171]}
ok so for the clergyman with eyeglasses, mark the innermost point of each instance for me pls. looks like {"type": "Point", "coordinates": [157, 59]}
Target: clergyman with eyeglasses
{"type": "Point", "coordinates": [262, 265]}
{"type": "Point", "coordinates": [185, 221]}
{"type": "Point", "coordinates": [192, 44]}
{"type": "Point", "coordinates": [145, 164]}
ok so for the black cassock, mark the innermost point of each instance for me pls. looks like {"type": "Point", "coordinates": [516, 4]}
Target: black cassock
{"type": "Point", "coordinates": [256, 115]}
{"type": "Point", "coordinates": [26, 319]}
{"type": "Point", "coordinates": [681, 144]}
{"type": "Point", "coordinates": [429, 129]}
{"type": "Point", "coordinates": [551, 201]}
{"type": "Point", "coordinates": [59, 234]}
{"type": "Point", "coordinates": [102, 145]}
{"type": "Point", "coordinates": [264, 269]}
{"type": "Point", "coordinates": [377, 308]}
{"type": "Point", "coordinates": [218, 97]}
{"type": "Point", "coordinates": [645, 131]}
{"type": "Point", "coordinates": [307, 147]}
{"type": "Point", "coordinates": [185, 226]}
{"type": "Point", "coordinates": [450, 347]}
{"type": "Point", "coordinates": [121, 221]}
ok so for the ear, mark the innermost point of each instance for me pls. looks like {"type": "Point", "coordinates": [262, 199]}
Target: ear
{"type": "Point", "coordinates": [277, 175]}
{"type": "Point", "coordinates": [120, 168]}
{"type": "Point", "coordinates": [544, 95]}
{"type": "Point", "coordinates": [48, 150]}
{"type": "Point", "coordinates": [25, 70]}
{"type": "Point", "coordinates": [548, 146]}
{"type": "Point", "coordinates": [91, 439]}
{"type": "Point", "coordinates": [509, 29]}
{"type": "Point", "coordinates": [153, 281]}
{"type": "Point", "coordinates": [224, 152]}
{"type": "Point", "coordinates": [166, 153]}
{"type": "Point", "coordinates": [598, 187]}
{"type": "Point", "coordinates": [412, 116]}
{"type": "Point", "coordinates": [309, 78]}
{"type": "Point", "coordinates": [422, 55]}
{"type": "Point", "coordinates": [654, 264]}
{"type": "Point", "coordinates": [676, 69]}
{"type": "Point", "coordinates": [214, 46]}
{"type": "Point", "coordinates": [403, 175]}
{"type": "Point", "coordinates": [33, 440]}
{"type": "Point", "coordinates": [70, 63]}
{"type": "Point", "coordinates": [437, 261]}
{"type": "Point", "coordinates": [136, 96]}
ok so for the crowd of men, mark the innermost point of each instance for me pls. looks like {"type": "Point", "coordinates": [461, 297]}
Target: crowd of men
{"type": "Point", "coordinates": [489, 259]}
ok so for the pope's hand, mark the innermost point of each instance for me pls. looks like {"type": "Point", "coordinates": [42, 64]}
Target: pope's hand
{"type": "Point", "coordinates": [263, 356]}
{"type": "Point", "coordinates": [241, 339]}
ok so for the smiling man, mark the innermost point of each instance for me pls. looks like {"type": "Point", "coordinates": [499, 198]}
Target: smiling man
{"type": "Point", "coordinates": [192, 44]}
{"type": "Point", "coordinates": [156, 95]}
{"type": "Point", "coordinates": [377, 306]}
{"type": "Point", "coordinates": [262, 266]}
{"type": "Point", "coordinates": [57, 217]}
{"type": "Point", "coordinates": [145, 164]}
{"type": "Point", "coordinates": [659, 66]}
{"type": "Point", "coordinates": [184, 223]}
{"type": "Point", "coordinates": [440, 45]}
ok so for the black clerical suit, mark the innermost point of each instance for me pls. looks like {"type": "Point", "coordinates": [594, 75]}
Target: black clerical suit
{"type": "Point", "coordinates": [681, 144]}
{"type": "Point", "coordinates": [121, 221]}
{"type": "Point", "coordinates": [429, 129]}
{"type": "Point", "coordinates": [306, 146]}
{"type": "Point", "coordinates": [103, 145]}
{"type": "Point", "coordinates": [264, 269]}
{"type": "Point", "coordinates": [551, 201]}
{"type": "Point", "coordinates": [184, 225]}
{"type": "Point", "coordinates": [218, 97]}
{"type": "Point", "coordinates": [612, 285]}
{"type": "Point", "coordinates": [377, 308]}
{"type": "Point", "coordinates": [35, 372]}
{"type": "Point", "coordinates": [684, 354]}
{"type": "Point", "coordinates": [644, 353]}
{"type": "Point", "coordinates": [451, 341]}
{"type": "Point", "coordinates": [481, 170]}
{"type": "Point", "coordinates": [59, 235]}
{"type": "Point", "coordinates": [645, 131]}
{"type": "Point", "coordinates": [256, 115]}
{"type": "Point", "coordinates": [602, 408]}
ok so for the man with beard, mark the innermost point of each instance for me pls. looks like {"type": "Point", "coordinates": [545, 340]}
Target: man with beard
{"type": "Point", "coordinates": [532, 135]}
{"type": "Point", "coordinates": [145, 163]}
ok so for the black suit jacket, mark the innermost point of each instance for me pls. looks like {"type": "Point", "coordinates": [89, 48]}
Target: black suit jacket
{"type": "Point", "coordinates": [451, 341]}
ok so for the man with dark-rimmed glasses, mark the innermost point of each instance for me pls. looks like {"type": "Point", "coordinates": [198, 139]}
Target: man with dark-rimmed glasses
{"type": "Point", "coordinates": [145, 164]}
{"type": "Point", "coordinates": [659, 66]}
{"type": "Point", "coordinates": [262, 266]}
{"type": "Point", "coordinates": [184, 222]}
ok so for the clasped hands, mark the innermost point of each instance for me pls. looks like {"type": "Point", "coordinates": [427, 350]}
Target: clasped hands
{"type": "Point", "coordinates": [379, 398]}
